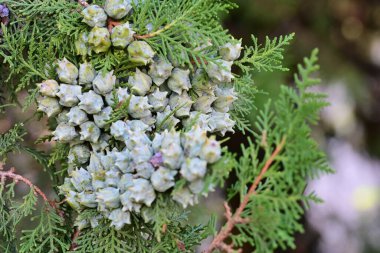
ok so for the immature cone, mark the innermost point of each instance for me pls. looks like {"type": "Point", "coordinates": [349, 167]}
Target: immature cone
{"type": "Point", "coordinates": [67, 72]}
{"type": "Point", "coordinates": [102, 117]}
{"type": "Point", "coordinates": [91, 102]}
{"type": "Point", "coordinates": [221, 122]}
{"type": "Point", "coordinates": [123, 161]}
{"type": "Point", "coordinates": [160, 70]}
{"type": "Point", "coordinates": [185, 197]}
{"type": "Point", "coordinates": [99, 39]}
{"type": "Point", "coordinates": [231, 51]}
{"type": "Point", "coordinates": [119, 218]}
{"type": "Point", "coordinates": [79, 154]}
{"type": "Point", "coordinates": [94, 16]}
{"type": "Point", "coordinates": [140, 82]}
{"type": "Point", "coordinates": [102, 143]}
{"type": "Point", "coordinates": [81, 45]}
{"type": "Point", "coordinates": [128, 203]}
{"type": "Point", "coordinates": [81, 180]}
{"type": "Point", "coordinates": [69, 94]}
{"type": "Point", "coordinates": [139, 107]}
{"type": "Point", "coordinates": [144, 170]}
{"type": "Point", "coordinates": [225, 98]}
{"type": "Point", "coordinates": [71, 198]}
{"type": "Point", "coordinates": [64, 133]}
{"type": "Point", "coordinates": [140, 52]}
{"type": "Point", "coordinates": [179, 80]}
{"type": "Point", "coordinates": [112, 175]}
{"type": "Point", "coordinates": [200, 79]}
{"type": "Point", "coordinates": [137, 139]}
{"type": "Point", "coordinates": [142, 192]}
{"type": "Point", "coordinates": [194, 141]}
{"type": "Point", "coordinates": [203, 103]}
{"type": "Point", "coordinates": [220, 71]}
{"type": "Point", "coordinates": [119, 130]}
{"type": "Point", "coordinates": [117, 9]}
{"type": "Point", "coordinates": [76, 116]}
{"type": "Point", "coordinates": [163, 179]}
{"type": "Point", "coordinates": [193, 169]}
{"type": "Point", "coordinates": [211, 151]}
{"type": "Point", "coordinates": [48, 88]}
{"type": "Point", "coordinates": [158, 100]}
{"type": "Point", "coordinates": [49, 105]}
{"type": "Point", "coordinates": [87, 199]}
{"type": "Point", "coordinates": [181, 104]}
{"type": "Point", "coordinates": [122, 35]}
{"type": "Point", "coordinates": [104, 83]}
{"type": "Point", "coordinates": [87, 73]}
{"type": "Point", "coordinates": [108, 197]}
{"type": "Point", "coordinates": [166, 119]}
{"type": "Point", "coordinates": [119, 168]}
{"type": "Point", "coordinates": [197, 186]}
{"type": "Point", "coordinates": [62, 117]}
{"type": "Point", "coordinates": [198, 119]}
{"type": "Point", "coordinates": [172, 153]}
{"type": "Point", "coordinates": [141, 154]}
{"type": "Point", "coordinates": [89, 132]}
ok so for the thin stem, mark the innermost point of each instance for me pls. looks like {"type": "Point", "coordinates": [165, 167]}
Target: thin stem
{"type": "Point", "coordinates": [236, 218]}
{"type": "Point", "coordinates": [73, 245]}
{"type": "Point", "coordinates": [11, 174]}
{"type": "Point", "coordinates": [153, 34]}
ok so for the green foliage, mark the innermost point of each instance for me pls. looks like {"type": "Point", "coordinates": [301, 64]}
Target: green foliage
{"type": "Point", "coordinates": [42, 31]}
{"type": "Point", "coordinates": [35, 39]}
{"type": "Point", "coordinates": [10, 139]}
{"type": "Point", "coordinates": [25, 68]}
{"type": "Point", "coordinates": [256, 58]}
{"type": "Point", "coordinates": [220, 171]}
{"type": "Point", "coordinates": [58, 156]}
{"type": "Point", "coordinates": [174, 234]}
{"type": "Point", "coordinates": [49, 236]}
{"type": "Point", "coordinates": [120, 109]}
{"type": "Point", "coordinates": [11, 214]}
{"type": "Point", "coordinates": [276, 208]}
{"type": "Point", "coordinates": [182, 30]}
{"type": "Point", "coordinates": [268, 57]}
{"type": "Point", "coordinates": [245, 103]}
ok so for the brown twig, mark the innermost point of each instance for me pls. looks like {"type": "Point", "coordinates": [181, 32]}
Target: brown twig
{"type": "Point", "coordinates": [181, 245]}
{"type": "Point", "coordinates": [73, 245]}
{"type": "Point", "coordinates": [111, 24]}
{"type": "Point", "coordinates": [11, 174]}
{"type": "Point", "coordinates": [234, 219]}
{"type": "Point", "coordinates": [83, 3]}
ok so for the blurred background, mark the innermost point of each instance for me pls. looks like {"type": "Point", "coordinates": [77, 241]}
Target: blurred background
{"type": "Point", "coordinates": [347, 32]}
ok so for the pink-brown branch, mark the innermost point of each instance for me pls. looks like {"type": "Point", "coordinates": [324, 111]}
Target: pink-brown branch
{"type": "Point", "coordinates": [83, 3]}
{"type": "Point", "coordinates": [236, 218]}
{"type": "Point", "coordinates": [74, 237]}
{"type": "Point", "coordinates": [12, 175]}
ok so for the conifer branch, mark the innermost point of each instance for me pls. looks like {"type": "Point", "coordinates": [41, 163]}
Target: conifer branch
{"type": "Point", "coordinates": [11, 174]}
{"type": "Point", "coordinates": [74, 237]}
{"type": "Point", "coordinates": [153, 34]}
{"type": "Point", "coordinates": [236, 218]}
